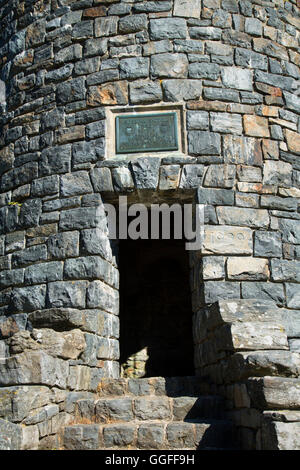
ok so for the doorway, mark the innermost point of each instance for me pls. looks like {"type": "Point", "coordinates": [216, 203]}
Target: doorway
{"type": "Point", "coordinates": [155, 309]}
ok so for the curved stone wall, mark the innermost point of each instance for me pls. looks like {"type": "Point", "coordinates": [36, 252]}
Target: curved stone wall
{"type": "Point", "coordinates": [232, 68]}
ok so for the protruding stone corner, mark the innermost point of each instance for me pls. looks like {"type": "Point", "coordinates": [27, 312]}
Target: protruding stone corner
{"type": "Point", "coordinates": [243, 350]}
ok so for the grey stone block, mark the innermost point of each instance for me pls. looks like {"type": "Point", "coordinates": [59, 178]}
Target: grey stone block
{"type": "Point", "coordinates": [146, 172]}
{"type": "Point", "coordinates": [119, 435]}
{"type": "Point", "coordinates": [244, 150]}
{"type": "Point", "coordinates": [253, 26]}
{"type": "Point", "coordinates": [102, 180]}
{"type": "Point", "coordinates": [221, 94]}
{"type": "Point", "coordinates": [188, 46]}
{"type": "Point", "coordinates": [66, 294]}
{"type": "Point", "coordinates": [226, 122]}
{"type": "Point", "coordinates": [216, 290]}
{"type": "Point", "coordinates": [45, 272]}
{"type": "Point", "coordinates": [145, 92]}
{"type": "Point", "coordinates": [17, 437]}
{"type": "Point", "coordinates": [204, 70]}
{"type": "Point", "coordinates": [106, 26]}
{"type": "Point", "coordinates": [191, 176]}
{"type": "Point", "coordinates": [150, 436]}
{"type": "Point", "coordinates": [246, 58]}
{"type": "Point", "coordinates": [205, 32]}
{"type": "Point", "coordinates": [19, 176]}
{"type": "Point", "coordinates": [116, 409]}
{"type": "Point", "coordinates": [180, 435]}
{"type": "Point", "coordinates": [292, 295]}
{"type": "Point", "coordinates": [95, 47]}
{"type": "Point", "coordinates": [267, 244]}
{"type": "Point", "coordinates": [75, 183]}
{"type": "Point", "coordinates": [27, 299]}
{"type": "Point", "coordinates": [29, 256]}
{"type": "Point", "coordinates": [82, 437]}
{"type": "Point", "coordinates": [204, 143]}
{"type": "Point", "coordinates": [197, 120]}
{"type": "Point", "coordinates": [122, 179]}
{"type": "Point", "coordinates": [262, 290]}
{"type": "Point", "coordinates": [243, 216]}
{"type": "Point", "coordinates": [178, 90]}
{"type": "Point", "coordinates": [220, 176]}
{"type": "Point", "coordinates": [63, 245]}
{"type": "Point", "coordinates": [132, 23]}
{"type": "Point", "coordinates": [238, 78]}
{"type": "Point", "coordinates": [83, 217]}
{"type": "Point", "coordinates": [215, 197]}
{"type": "Point", "coordinates": [55, 160]}
{"type": "Point", "coordinates": [73, 90]}
{"type": "Point", "coordinates": [135, 67]}
{"type": "Point", "coordinates": [147, 408]}
{"type": "Point", "coordinates": [100, 295]}
{"type": "Point", "coordinates": [168, 28]}
{"type": "Point", "coordinates": [169, 65]}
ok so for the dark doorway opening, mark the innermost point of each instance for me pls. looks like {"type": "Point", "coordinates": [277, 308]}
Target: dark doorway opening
{"type": "Point", "coordinates": [155, 309]}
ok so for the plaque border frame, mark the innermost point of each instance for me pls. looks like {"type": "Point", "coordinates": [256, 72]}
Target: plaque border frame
{"type": "Point", "coordinates": [142, 115]}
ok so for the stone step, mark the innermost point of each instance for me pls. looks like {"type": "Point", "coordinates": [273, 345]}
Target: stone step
{"type": "Point", "coordinates": [150, 435]}
{"type": "Point", "coordinates": [169, 386]}
{"type": "Point", "coordinates": [148, 407]}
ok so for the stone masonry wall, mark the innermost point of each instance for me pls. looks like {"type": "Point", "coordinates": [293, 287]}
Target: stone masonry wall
{"type": "Point", "coordinates": [233, 66]}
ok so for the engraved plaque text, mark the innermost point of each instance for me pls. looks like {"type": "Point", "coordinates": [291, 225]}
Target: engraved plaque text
{"type": "Point", "coordinates": [146, 132]}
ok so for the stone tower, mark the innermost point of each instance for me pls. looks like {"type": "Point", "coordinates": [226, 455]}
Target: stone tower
{"type": "Point", "coordinates": [228, 71]}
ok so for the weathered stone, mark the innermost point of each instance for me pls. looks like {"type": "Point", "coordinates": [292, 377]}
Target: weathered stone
{"type": "Point", "coordinates": [116, 409]}
{"type": "Point", "coordinates": [132, 24]}
{"type": "Point", "coordinates": [118, 435]}
{"type": "Point", "coordinates": [28, 298]}
{"type": "Point", "coordinates": [205, 32]}
{"type": "Point", "coordinates": [246, 269]}
{"type": "Point", "coordinates": [135, 67]}
{"type": "Point", "coordinates": [220, 176]}
{"type": "Point", "coordinates": [235, 77]}
{"type": "Point", "coordinates": [72, 90]}
{"type": "Point", "coordinates": [270, 48]}
{"type": "Point", "coordinates": [150, 434]}
{"type": "Point", "coordinates": [75, 183]}
{"type": "Point", "coordinates": [204, 143]}
{"type": "Point", "coordinates": [213, 267]}
{"type": "Point", "coordinates": [280, 436]}
{"type": "Point", "coordinates": [145, 171]}
{"type": "Point", "coordinates": [177, 90]}
{"type": "Point", "coordinates": [169, 177]}
{"type": "Point", "coordinates": [227, 240]}
{"type": "Point", "coordinates": [243, 150]}
{"type": "Point", "coordinates": [256, 126]}
{"type": "Point", "coordinates": [106, 26]}
{"type": "Point", "coordinates": [63, 245]}
{"type": "Point", "coordinates": [67, 294]}
{"type": "Point", "coordinates": [267, 244]}
{"type": "Point", "coordinates": [17, 437]}
{"type": "Point", "coordinates": [169, 66]}
{"type": "Point", "coordinates": [82, 437]}
{"type": "Point", "coordinates": [145, 92]}
{"type": "Point", "coordinates": [263, 290]}
{"type": "Point", "coordinates": [204, 70]}
{"type": "Point", "coordinates": [243, 216]}
{"type": "Point", "coordinates": [152, 408]}
{"type": "Point", "coordinates": [216, 290]}
{"type": "Point", "coordinates": [279, 173]}
{"type": "Point", "coordinates": [168, 28]}
{"type": "Point", "coordinates": [275, 392]}
{"type": "Point", "coordinates": [225, 122]}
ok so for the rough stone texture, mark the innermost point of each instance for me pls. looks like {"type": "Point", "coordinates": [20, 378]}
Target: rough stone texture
{"type": "Point", "coordinates": [231, 71]}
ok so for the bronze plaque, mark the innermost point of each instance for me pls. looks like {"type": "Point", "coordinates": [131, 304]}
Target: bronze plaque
{"type": "Point", "coordinates": [146, 133]}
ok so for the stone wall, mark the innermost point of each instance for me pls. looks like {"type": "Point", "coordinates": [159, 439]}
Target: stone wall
{"type": "Point", "coordinates": [233, 67]}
